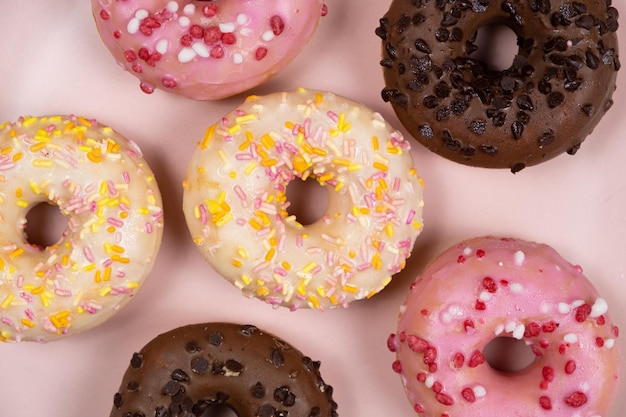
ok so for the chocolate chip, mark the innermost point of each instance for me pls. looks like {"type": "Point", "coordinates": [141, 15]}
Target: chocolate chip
{"type": "Point", "coordinates": [546, 139]}
{"type": "Point", "coordinates": [457, 34]}
{"type": "Point", "coordinates": [216, 339]}
{"type": "Point", "coordinates": [315, 412]}
{"type": "Point", "coordinates": [266, 410]}
{"type": "Point", "coordinates": [430, 102]}
{"type": "Point", "coordinates": [443, 113]}
{"type": "Point", "coordinates": [171, 388]}
{"type": "Point", "coordinates": [478, 127]}
{"type": "Point", "coordinates": [161, 411]}
{"type": "Point", "coordinates": [136, 361]}
{"type": "Point", "coordinates": [419, 64]}
{"type": "Point", "coordinates": [403, 23]}
{"type": "Point", "coordinates": [258, 390]}
{"type": "Point", "coordinates": [192, 347]}
{"type": "Point", "coordinates": [118, 399]}
{"type": "Point", "coordinates": [517, 128]}
{"type": "Point", "coordinates": [588, 109]}
{"type": "Point", "coordinates": [232, 367]}
{"type": "Point", "coordinates": [180, 375]}
{"type": "Point", "coordinates": [507, 83]}
{"type": "Point", "coordinates": [284, 396]}
{"type": "Point", "coordinates": [426, 132]}
{"type": "Point", "coordinates": [382, 29]}
{"type": "Point", "coordinates": [555, 99]}
{"type": "Point", "coordinates": [442, 89]}
{"type": "Point", "coordinates": [499, 119]}
{"type": "Point", "coordinates": [199, 365]}
{"type": "Point", "coordinates": [518, 167]}
{"type": "Point", "coordinates": [523, 117]}
{"type": "Point", "coordinates": [422, 46]}
{"type": "Point", "coordinates": [276, 358]}
{"type": "Point", "coordinates": [573, 85]}
{"type": "Point", "coordinates": [585, 22]}
{"type": "Point", "coordinates": [524, 102]}
{"type": "Point", "coordinates": [391, 51]}
{"type": "Point", "coordinates": [489, 149]}
{"type": "Point", "coordinates": [442, 35]}
{"type": "Point", "coordinates": [418, 19]}
{"type": "Point", "coordinates": [608, 55]}
{"type": "Point", "coordinates": [132, 386]}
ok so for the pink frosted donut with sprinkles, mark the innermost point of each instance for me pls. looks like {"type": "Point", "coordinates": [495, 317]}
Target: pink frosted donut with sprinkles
{"type": "Point", "coordinates": [487, 288]}
{"type": "Point", "coordinates": [101, 184]}
{"type": "Point", "coordinates": [236, 206]}
{"type": "Point", "coordinates": [205, 50]}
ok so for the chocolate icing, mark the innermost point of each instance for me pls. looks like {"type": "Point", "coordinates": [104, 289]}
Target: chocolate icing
{"type": "Point", "coordinates": [188, 370]}
{"type": "Point", "coordinates": [547, 102]}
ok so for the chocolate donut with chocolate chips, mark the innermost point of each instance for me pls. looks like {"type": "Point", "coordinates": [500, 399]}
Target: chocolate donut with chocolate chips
{"type": "Point", "coordinates": [189, 370]}
{"type": "Point", "coordinates": [547, 102]}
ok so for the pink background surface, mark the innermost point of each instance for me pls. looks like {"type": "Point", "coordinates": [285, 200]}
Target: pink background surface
{"type": "Point", "coordinates": [52, 62]}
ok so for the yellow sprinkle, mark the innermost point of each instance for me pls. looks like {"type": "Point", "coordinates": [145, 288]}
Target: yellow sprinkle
{"type": "Point", "coordinates": [121, 259]}
{"type": "Point", "coordinates": [21, 203]}
{"type": "Point", "coordinates": [237, 263]}
{"type": "Point", "coordinates": [17, 156]}
{"type": "Point", "coordinates": [132, 285]}
{"type": "Point", "coordinates": [250, 117]}
{"type": "Point", "coordinates": [267, 141]}
{"type": "Point", "coordinates": [309, 267]}
{"type": "Point", "coordinates": [42, 163]}
{"type": "Point", "coordinates": [377, 261]}
{"type": "Point", "coordinates": [268, 162]}
{"type": "Point", "coordinates": [208, 136]}
{"type": "Point", "coordinates": [262, 291]}
{"type": "Point", "coordinates": [94, 157]}
{"type": "Point", "coordinates": [84, 121]}
{"type": "Point", "coordinates": [379, 166]}
{"type": "Point", "coordinates": [222, 155]}
{"type": "Point", "coordinates": [314, 301]}
{"type": "Point", "coordinates": [325, 178]}
{"type": "Point", "coordinates": [89, 267]}
{"type": "Point", "coordinates": [389, 229]}
{"type": "Point", "coordinates": [17, 252]}
{"type": "Point", "coordinates": [234, 129]}
{"type": "Point", "coordinates": [28, 323]}
{"type": "Point", "coordinates": [250, 167]}
{"type": "Point", "coordinates": [300, 164]}
{"type": "Point", "coordinates": [350, 288]}
{"type": "Point", "coordinates": [107, 273]}
{"type": "Point", "coordinates": [270, 254]}
{"type": "Point", "coordinates": [286, 265]}
{"type": "Point", "coordinates": [246, 279]}
{"type": "Point", "coordinates": [223, 219]}
{"type": "Point", "coordinates": [7, 301]}
{"type": "Point", "coordinates": [105, 291]}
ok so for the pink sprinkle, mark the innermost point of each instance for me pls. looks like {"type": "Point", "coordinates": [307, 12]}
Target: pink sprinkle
{"type": "Point", "coordinates": [203, 214]}
{"type": "Point", "coordinates": [332, 116]}
{"type": "Point", "coordinates": [27, 297]}
{"type": "Point", "coordinates": [115, 222]}
{"type": "Point", "coordinates": [7, 321]}
{"type": "Point", "coordinates": [148, 227]}
{"type": "Point", "coordinates": [410, 217]}
{"type": "Point", "coordinates": [63, 293]}
{"type": "Point", "coordinates": [126, 177]}
{"type": "Point", "coordinates": [88, 254]}
{"type": "Point", "coordinates": [299, 241]}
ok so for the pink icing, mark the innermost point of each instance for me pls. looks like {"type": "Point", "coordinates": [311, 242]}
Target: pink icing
{"type": "Point", "coordinates": [488, 287]}
{"type": "Point", "coordinates": [205, 50]}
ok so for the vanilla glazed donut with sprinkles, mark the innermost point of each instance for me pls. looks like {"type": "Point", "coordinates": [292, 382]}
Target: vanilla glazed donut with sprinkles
{"type": "Point", "coordinates": [487, 288]}
{"type": "Point", "coordinates": [101, 184]}
{"type": "Point", "coordinates": [205, 50]}
{"type": "Point", "coordinates": [236, 206]}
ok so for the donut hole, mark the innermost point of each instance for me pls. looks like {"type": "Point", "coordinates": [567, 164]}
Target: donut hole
{"type": "Point", "coordinates": [307, 200]}
{"type": "Point", "coordinates": [45, 225]}
{"type": "Point", "coordinates": [508, 355]}
{"type": "Point", "coordinates": [497, 46]}
{"type": "Point", "coordinates": [219, 410]}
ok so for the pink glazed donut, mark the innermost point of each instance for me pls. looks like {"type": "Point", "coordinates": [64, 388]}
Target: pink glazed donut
{"type": "Point", "coordinates": [205, 50]}
{"type": "Point", "coordinates": [485, 288]}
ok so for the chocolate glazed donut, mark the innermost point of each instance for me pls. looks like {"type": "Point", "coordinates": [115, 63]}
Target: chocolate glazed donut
{"type": "Point", "coordinates": [189, 370]}
{"type": "Point", "coordinates": [547, 102]}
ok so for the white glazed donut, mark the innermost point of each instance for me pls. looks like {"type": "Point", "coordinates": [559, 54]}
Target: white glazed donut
{"type": "Point", "coordinates": [236, 207]}
{"type": "Point", "coordinates": [205, 50]}
{"type": "Point", "coordinates": [108, 194]}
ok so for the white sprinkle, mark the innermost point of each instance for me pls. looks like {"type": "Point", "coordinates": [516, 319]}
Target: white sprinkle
{"type": "Point", "coordinates": [402, 309]}
{"type": "Point", "coordinates": [499, 329]}
{"type": "Point", "coordinates": [141, 14]}
{"type": "Point", "coordinates": [518, 333]}
{"type": "Point", "coordinates": [189, 9]}
{"type": "Point", "coordinates": [479, 391]}
{"type": "Point", "coordinates": [237, 58]}
{"type": "Point", "coordinates": [516, 287]}
{"type": "Point", "coordinates": [564, 308]}
{"type": "Point", "coordinates": [172, 6]}
{"type": "Point", "coordinates": [186, 55]}
{"type": "Point", "coordinates": [184, 21]}
{"type": "Point", "coordinates": [570, 338]}
{"type": "Point", "coordinates": [599, 308]}
{"type": "Point", "coordinates": [267, 36]}
{"type": "Point", "coordinates": [162, 46]}
{"type": "Point", "coordinates": [609, 343]}
{"type": "Point", "coordinates": [519, 258]}
{"type": "Point", "coordinates": [510, 326]}
{"type": "Point", "coordinates": [242, 19]}
{"type": "Point", "coordinates": [227, 27]}
{"type": "Point", "coordinates": [133, 26]}
{"type": "Point", "coordinates": [467, 251]}
{"type": "Point", "coordinates": [430, 381]}
{"type": "Point", "coordinates": [485, 296]}
{"type": "Point", "coordinates": [545, 307]}
{"type": "Point", "coordinates": [577, 303]}
{"type": "Point", "coordinates": [201, 49]}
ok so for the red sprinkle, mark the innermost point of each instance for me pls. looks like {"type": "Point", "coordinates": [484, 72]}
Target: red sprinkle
{"type": "Point", "coordinates": [532, 330]}
{"type": "Point", "coordinates": [563, 348]}
{"type": "Point", "coordinates": [196, 31]}
{"type": "Point", "coordinates": [469, 324]}
{"type": "Point", "coordinates": [186, 40]}
{"type": "Point", "coordinates": [577, 399]}
{"type": "Point", "coordinates": [480, 253]}
{"type": "Point", "coordinates": [144, 54]}
{"type": "Point", "coordinates": [169, 83]}
{"type": "Point", "coordinates": [437, 387]}
{"type": "Point", "coordinates": [461, 259]}
{"type": "Point", "coordinates": [421, 377]}
{"type": "Point", "coordinates": [130, 55]}
{"type": "Point", "coordinates": [490, 285]}
{"type": "Point", "coordinates": [260, 53]}
{"type": "Point", "coordinates": [444, 399]}
{"type": "Point", "coordinates": [582, 312]}
{"type": "Point", "coordinates": [570, 367]}
{"type": "Point", "coordinates": [545, 402]}
{"type": "Point", "coordinates": [481, 306]}
{"type": "Point", "coordinates": [396, 366]}
{"type": "Point", "coordinates": [217, 52]}
{"type": "Point", "coordinates": [391, 342]}
{"type": "Point", "coordinates": [419, 408]}
{"type": "Point", "coordinates": [277, 24]}
{"type": "Point", "coordinates": [416, 344]}
{"type": "Point", "coordinates": [146, 88]}
{"type": "Point", "coordinates": [104, 15]}
{"type": "Point", "coordinates": [536, 351]}
{"type": "Point", "coordinates": [548, 373]}
{"type": "Point", "coordinates": [137, 68]}
{"type": "Point", "coordinates": [468, 395]}
{"type": "Point", "coordinates": [324, 10]}
{"type": "Point", "coordinates": [457, 360]}
{"type": "Point", "coordinates": [476, 359]}
{"type": "Point", "coordinates": [430, 355]}
{"type": "Point", "coordinates": [601, 321]}
{"type": "Point", "coordinates": [117, 34]}
{"type": "Point", "coordinates": [599, 341]}
{"type": "Point", "coordinates": [212, 35]}
{"type": "Point", "coordinates": [209, 10]}
{"type": "Point", "coordinates": [228, 39]}
{"type": "Point", "coordinates": [549, 327]}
